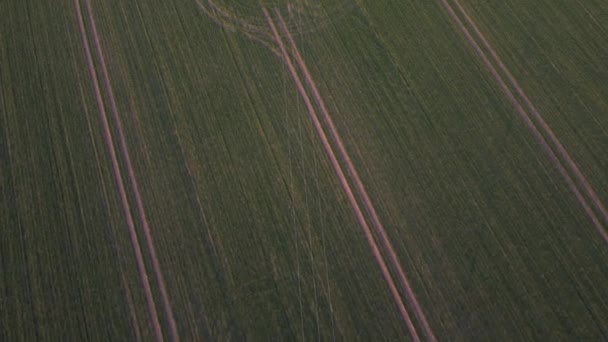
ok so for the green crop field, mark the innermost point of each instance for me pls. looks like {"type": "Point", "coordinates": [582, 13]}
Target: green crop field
{"type": "Point", "coordinates": [234, 170]}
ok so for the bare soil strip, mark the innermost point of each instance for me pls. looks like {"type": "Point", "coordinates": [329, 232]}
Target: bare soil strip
{"type": "Point", "coordinates": [371, 210]}
{"type": "Point", "coordinates": [572, 165]}
{"type": "Point", "coordinates": [533, 128]}
{"type": "Point", "coordinates": [117, 176]}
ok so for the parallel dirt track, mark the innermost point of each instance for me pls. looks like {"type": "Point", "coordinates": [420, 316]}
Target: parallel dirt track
{"type": "Point", "coordinates": [531, 111]}
{"type": "Point", "coordinates": [201, 170]}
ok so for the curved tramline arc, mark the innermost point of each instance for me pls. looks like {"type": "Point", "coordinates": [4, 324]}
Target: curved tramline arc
{"type": "Point", "coordinates": [529, 123]}
{"type": "Point", "coordinates": [242, 16]}
{"type": "Point", "coordinates": [231, 22]}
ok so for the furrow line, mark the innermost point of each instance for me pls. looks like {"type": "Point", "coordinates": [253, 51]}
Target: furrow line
{"type": "Point", "coordinates": [118, 178]}
{"type": "Point", "coordinates": [343, 180]}
{"type": "Point", "coordinates": [131, 305]}
{"type": "Point", "coordinates": [370, 208]}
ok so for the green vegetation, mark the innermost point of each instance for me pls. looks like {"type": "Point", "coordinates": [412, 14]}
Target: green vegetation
{"type": "Point", "coordinates": [254, 234]}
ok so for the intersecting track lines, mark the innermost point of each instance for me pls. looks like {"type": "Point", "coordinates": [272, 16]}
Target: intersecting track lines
{"type": "Point", "coordinates": [565, 164]}
{"type": "Point", "coordinates": [130, 173]}
{"type": "Point", "coordinates": [378, 229]}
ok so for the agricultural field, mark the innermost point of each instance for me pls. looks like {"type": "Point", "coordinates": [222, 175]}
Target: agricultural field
{"type": "Point", "coordinates": [349, 170]}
